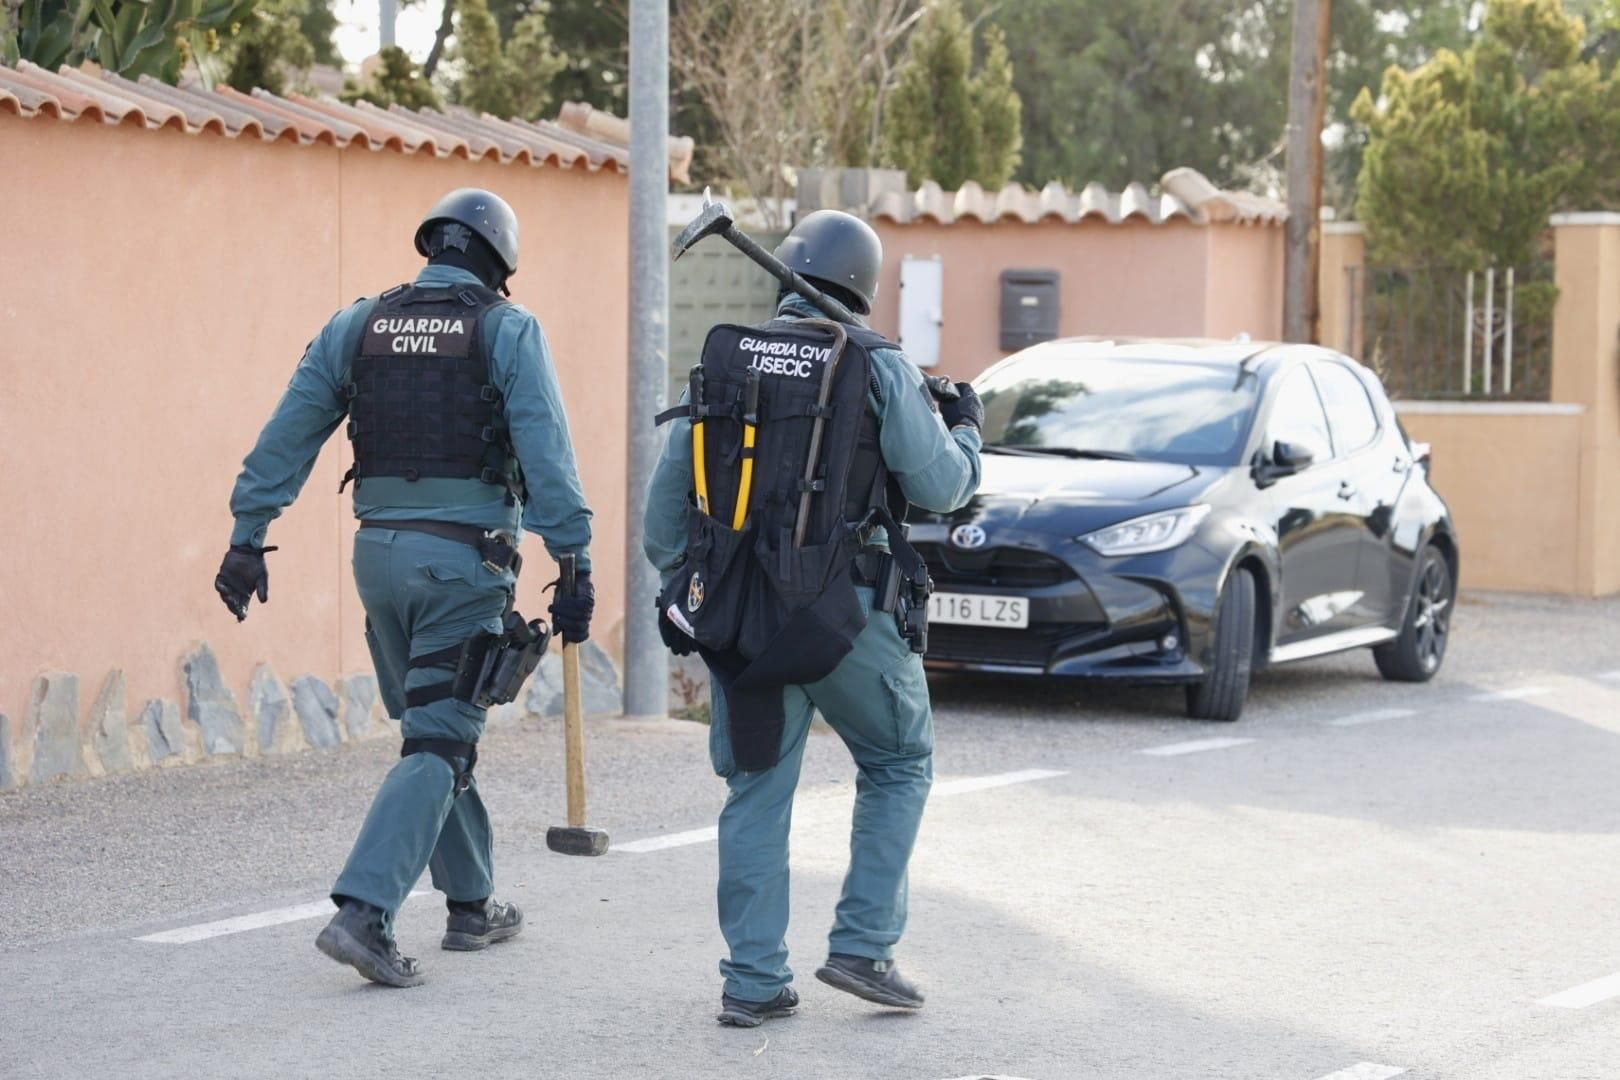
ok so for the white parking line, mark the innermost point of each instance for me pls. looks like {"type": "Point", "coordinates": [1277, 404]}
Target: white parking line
{"type": "Point", "coordinates": [1364, 1070]}
{"type": "Point", "coordinates": [186, 935]}
{"type": "Point", "coordinates": [979, 783]}
{"type": "Point", "coordinates": [944, 788]}
{"type": "Point", "coordinates": [1517, 693]}
{"type": "Point", "coordinates": [1371, 715]}
{"type": "Point", "coordinates": [668, 840]}
{"type": "Point", "coordinates": [1585, 994]}
{"type": "Point", "coordinates": [1612, 676]}
{"type": "Point", "coordinates": [1195, 746]}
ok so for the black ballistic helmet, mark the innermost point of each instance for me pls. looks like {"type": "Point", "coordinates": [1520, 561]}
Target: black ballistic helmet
{"type": "Point", "coordinates": [837, 248]}
{"type": "Point", "coordinates": [485, 213]}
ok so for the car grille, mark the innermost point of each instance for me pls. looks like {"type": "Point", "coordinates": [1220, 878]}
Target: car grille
{"type": "Point", "coordinates": [985, 645]}
{"type": "Point", "coordinates": [999, 567]}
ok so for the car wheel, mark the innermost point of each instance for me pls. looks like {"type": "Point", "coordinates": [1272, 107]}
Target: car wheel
{"type": "Point", "coordinates": [1416, 654]}
{"type": "Point", "coordinates": [1224, 690]}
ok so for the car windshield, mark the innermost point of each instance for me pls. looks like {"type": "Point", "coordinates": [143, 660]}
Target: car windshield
{"type": "Point", "coordinates": [1179, 411]}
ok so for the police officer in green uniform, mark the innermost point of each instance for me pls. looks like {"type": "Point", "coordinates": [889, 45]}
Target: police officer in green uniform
{"type": "Point", "coordinates": [876, 698]}
{"type": "Point", "coordinates": [460, 442]}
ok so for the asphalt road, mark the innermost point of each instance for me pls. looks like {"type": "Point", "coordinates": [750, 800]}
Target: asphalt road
{"type": "Point", "coordinates": [1358, 878]}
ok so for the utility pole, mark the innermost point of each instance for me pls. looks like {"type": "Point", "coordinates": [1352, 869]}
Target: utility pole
{"type": "Point", "coordinates": [646, 664]}
{"type": "Point", "coordinates": [386, 10]}
{"type": "Point", "coordinates": [1307, 108]}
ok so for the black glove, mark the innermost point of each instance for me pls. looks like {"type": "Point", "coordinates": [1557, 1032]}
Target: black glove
{"type": "Point", "coordinates": [571, 615]}
{"type": "Point", "coordinates": [966, 409]}
{"type": "Point", "coordinates": [676, 640]}
{"type": "Point", "coordinates": [242, 573]}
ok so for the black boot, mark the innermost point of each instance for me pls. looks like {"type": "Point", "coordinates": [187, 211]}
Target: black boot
{"type": "Point", "coordinates": [877, 981]}
{"type": "Point", "coordinates": [356, 936]}
{"type": "Point", "coordinates": [735, 1012]}
{"type": "Point", "coordinates": [474, 926]}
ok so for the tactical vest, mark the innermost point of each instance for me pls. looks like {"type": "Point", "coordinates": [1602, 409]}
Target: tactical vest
{"type": "Point", "coordinates": [419, 395]}
{"type": "Point", "coordinates": [767, 588]}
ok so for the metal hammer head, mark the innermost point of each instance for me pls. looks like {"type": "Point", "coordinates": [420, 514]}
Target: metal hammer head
{"type": "Point", "coordinates": [715, 218]}
{"type": "Point", "coordinates": [571, 841]}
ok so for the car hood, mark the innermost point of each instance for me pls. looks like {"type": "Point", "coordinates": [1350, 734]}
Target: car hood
{"type": "Point", "coordinates": [1070, 496]}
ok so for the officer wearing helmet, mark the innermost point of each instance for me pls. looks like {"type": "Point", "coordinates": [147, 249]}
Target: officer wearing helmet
{"type": "Point", "coordinates": [907, 447]}
{"type": "Point", "coordinates": [460, 443]}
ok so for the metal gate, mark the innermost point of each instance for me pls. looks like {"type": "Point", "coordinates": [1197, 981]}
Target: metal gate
{"type": "Point", "coordinates": [713, 283]}
{"type": "Point", "coordinates": [1438, 333]}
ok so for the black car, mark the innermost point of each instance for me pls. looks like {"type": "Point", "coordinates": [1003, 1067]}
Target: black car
{"type": "Point", "coordinates": [1190, 512]}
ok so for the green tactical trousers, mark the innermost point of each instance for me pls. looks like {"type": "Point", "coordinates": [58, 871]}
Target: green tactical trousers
{"type": "Point", "coordinates": [422, 593]}
{"type": "Point", "coordinates": [877, 702]}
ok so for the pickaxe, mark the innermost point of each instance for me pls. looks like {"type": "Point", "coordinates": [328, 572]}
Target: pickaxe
{"type": "Point", "coordinates": [717, 218]}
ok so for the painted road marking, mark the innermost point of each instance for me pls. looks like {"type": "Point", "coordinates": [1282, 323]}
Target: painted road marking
{"type": "Point", "coordinates": [987, 1076]}
{"type": "Point", "coordinates": [944, 788]}
{"type": "Point", "coordinates": [1517, 693]}
{"type": "Point", "coordinates": [668, 840]}
{"type": "Point", "coordinates": [1364, 1070]}
{"type": "Point", "coordinates": [186, 935]}
{"type": "Point", "coordinates": [980, 783]}
{"type": "Point", "coordinates": [1585, 994]}
{"type": "Point", "coordinates": [1612, 676]}
{"type": "Point", "coordinates": [1195, 746]}
{"type": "Point", "coordinates": [1371, 715]}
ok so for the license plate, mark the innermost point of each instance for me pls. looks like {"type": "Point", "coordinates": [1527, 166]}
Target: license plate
{"type": "Point", "coordinates": [974, 609]}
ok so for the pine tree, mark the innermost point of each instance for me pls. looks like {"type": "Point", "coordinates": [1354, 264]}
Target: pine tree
{"type": "Point", "coordinates": [945, 123]}
{"type": "Point", "coordinates": [1000, 113]}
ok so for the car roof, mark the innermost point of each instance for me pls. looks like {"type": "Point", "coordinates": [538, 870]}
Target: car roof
{"type": "Point", "coordinates": [1197, 350]}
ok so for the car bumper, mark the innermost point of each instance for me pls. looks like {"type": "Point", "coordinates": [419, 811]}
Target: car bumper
{"type": "Point", "coordinates": [1142, 619]}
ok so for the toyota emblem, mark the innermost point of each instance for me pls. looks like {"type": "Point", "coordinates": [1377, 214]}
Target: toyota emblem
{"type": "Point", "coordinates": [969, 537]}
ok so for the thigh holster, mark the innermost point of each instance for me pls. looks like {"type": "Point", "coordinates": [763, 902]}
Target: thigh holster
{"type": "Point", "coordinates": [452, 752]}
{"type": "Point", "coordinates": [489, 669]}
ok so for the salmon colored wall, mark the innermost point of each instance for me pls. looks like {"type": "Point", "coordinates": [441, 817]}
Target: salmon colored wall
{"type": "Point", "coordinates": [158, 290]}
{"type": "Point", "coordinates": [1244, 282]}
{"type": "Point", "coordinates": [1134, 278]}
{"type": "Point", "coordinates": [1586, 369]}
{"type": "Point", "coordinates": [1516, 506]}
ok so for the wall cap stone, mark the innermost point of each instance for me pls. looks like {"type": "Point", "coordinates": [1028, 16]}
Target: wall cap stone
{"type": "Point", "coordinates": [1488, 408]}
{"type": "Point", "coordinates": [1585, 217]}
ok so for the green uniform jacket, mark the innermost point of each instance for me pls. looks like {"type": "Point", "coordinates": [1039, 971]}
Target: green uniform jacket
{"type": "Point", "coordinates": [520, 365]}
{"type": "Point", "coordinates": [937, 469]}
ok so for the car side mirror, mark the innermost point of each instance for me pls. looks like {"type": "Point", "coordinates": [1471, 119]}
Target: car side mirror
{"type": "Point", "coordinates": [1286, 459]}
{"type": "Point", "coordinates": [1291, 457]}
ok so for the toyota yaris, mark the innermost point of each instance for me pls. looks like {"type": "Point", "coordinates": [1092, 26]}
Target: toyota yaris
{"type": "Point", "coordinates": [1190, 512]}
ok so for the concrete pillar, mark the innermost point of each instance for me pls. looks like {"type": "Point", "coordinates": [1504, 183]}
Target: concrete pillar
{"type": "Point", "coordinates": [1343, 270]}
{"type": "Point", "coordinates": [1586, 372]}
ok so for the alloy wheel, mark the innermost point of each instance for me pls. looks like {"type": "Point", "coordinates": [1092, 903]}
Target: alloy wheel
{"type": "Point", "coordinates": [1433, 620]}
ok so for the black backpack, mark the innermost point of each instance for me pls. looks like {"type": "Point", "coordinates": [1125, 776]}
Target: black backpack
{"type": "Point", "coordinates": [788, 486]}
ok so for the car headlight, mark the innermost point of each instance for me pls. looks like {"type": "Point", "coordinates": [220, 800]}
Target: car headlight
{"type": "Point", "coordinates": [1149, 533]}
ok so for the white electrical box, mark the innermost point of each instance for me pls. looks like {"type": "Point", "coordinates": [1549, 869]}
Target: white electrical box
{"type": "Point", "coordinates": [922, 311]}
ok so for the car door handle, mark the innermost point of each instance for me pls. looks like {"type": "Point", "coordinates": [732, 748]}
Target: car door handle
{"type": "Point", "coordinates": [1347, 490]}
{"type": "Point", "coordinates": [1402, 464]}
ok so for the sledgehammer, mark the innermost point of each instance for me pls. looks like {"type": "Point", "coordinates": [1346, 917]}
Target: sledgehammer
{"type": "Point", "coordinates": [576, 839]}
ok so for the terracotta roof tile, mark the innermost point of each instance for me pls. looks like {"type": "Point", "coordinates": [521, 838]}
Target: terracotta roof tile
{"type": "Point", "coordinates": [588, 139]}
{"type": "Point", "coordinates": [1184, 193]}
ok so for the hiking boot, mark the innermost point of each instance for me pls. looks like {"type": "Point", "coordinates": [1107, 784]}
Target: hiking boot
{"type": "Point", "coordinates": [878, 981]}
{"type": "Point", "coordinates": [356, 936]}
{"type": "Point", "coordinates": [470, 930]}
{"type": "Point", "coordinates": [735, 1012]}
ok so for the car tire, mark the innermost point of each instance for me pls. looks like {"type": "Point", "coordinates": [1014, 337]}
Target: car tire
{"type": "Point", "coordinates": [1416, 655]}
{"type": "Point", "coordinates": [1222, 693]}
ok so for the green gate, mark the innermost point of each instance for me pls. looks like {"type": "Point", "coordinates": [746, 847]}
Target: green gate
{"type": "Point", "coordinates": [713, 283]}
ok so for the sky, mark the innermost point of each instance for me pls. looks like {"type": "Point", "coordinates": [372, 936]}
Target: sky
{"type": "Point", "coordinates": [413, 30]}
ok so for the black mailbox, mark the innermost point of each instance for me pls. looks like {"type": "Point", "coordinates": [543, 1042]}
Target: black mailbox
{"type": "Point", "coordinates": [1029, 307]}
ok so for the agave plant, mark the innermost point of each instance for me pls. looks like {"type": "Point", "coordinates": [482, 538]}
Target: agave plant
{"type": "Point", "coordinates": [129, 37]}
